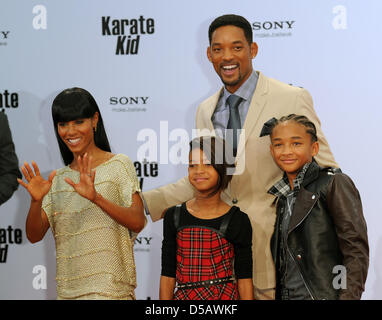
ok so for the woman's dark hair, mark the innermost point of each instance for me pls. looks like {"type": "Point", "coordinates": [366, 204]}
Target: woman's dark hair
{"type": "Point", "coordinates": [215, 150]}
{"type": "Point", "coordinates": [72, 104]}
{"type": "Point", "coordinates": [231, 20]}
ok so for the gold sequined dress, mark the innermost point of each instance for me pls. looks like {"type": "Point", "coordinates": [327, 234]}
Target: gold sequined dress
{"type": "Point", "coordinates": [94, 254]}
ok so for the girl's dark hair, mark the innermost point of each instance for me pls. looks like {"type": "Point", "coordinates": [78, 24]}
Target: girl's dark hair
{"type": "Point", "coordinates": [72, 104]}
{"type": "Point", "coordinates": [215, 150]}
{"type": "Point", "coordinates": [302, 120]}
{"type": "Point", "coordinates": [231, 20]}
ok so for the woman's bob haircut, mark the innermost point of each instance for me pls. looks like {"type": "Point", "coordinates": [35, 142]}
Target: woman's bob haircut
{"type": "Point", "coordinates": [73, 104]}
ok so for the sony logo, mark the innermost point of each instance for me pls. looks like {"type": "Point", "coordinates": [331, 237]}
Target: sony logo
{"type": "Point", "coordinates": [4, 34]}
{"type": "Point", "coordinates": [143, 240]}
{"type": "Point", "coordinates": [128, 100]}
{"type": "Point", "coordinates": [272, 25]}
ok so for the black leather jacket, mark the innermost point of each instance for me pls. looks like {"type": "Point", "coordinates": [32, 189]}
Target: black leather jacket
{"type": "Point", "coordinates": [326, 229]}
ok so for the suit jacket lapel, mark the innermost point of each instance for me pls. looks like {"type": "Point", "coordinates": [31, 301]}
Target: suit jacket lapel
{"type": "Point", "coordinates": [257, 105]}
{"type": "Point", "coordinates": [210, 108]}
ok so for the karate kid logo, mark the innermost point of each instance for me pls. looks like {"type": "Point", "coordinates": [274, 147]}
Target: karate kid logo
{"type": "Point", "coordinates": [9, 236]}
{"type": "Point", "coordinates": [8, 100]}
{"type": "Point", "coordinates": [128, 32]}
{"type": "Point", "coordinates": [145, 169]}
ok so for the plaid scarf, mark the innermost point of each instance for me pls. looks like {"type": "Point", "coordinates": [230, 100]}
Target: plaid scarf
{"type": "Point", "coordinates": [282, 187]}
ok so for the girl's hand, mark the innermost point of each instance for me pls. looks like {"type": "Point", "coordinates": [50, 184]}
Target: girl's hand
{"type": "Point", "coordinates": [37, 186]}
{"type": "Point", "coordinates": [85, 187]}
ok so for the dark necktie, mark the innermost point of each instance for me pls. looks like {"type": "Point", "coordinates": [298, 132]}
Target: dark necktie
{"type": "Point", "coordinates": [234, 120]}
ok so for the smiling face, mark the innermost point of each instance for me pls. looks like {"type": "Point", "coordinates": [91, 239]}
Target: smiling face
{"type": "Point", "coordinates": [231, 55]}
{"type": "Point", "coordinates": [78, 134]}
{"type": "Point", "coordinates": [201, 174]}
{"type": "Point", "coordinates": [292, 147]}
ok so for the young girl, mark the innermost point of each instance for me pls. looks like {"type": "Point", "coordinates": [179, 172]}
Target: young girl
{"type": "Point", "coordinates": [92, 205]}
{"type": "Point", "coordinates": [207, 243]}
{"type": "Point", "coordinates": [319, 244]}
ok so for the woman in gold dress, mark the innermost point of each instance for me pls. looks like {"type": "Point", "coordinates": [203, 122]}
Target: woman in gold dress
{"type": "Point", "coordinates": [92, 205]}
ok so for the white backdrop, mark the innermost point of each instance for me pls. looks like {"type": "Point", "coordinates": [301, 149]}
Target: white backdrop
{"type": "Point", "coordinates": [330, 47]}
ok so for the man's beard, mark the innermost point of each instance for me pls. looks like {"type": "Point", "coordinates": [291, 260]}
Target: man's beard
{"type": "Point", "coordinates": [232, 82]}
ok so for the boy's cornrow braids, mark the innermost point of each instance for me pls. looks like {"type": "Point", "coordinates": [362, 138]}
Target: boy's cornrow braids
{"type": "Point", "coordinates": [304, 121]}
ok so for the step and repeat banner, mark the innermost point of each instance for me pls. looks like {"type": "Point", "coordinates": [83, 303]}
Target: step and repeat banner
{"type": "Point", "coordinates": [145, 63]}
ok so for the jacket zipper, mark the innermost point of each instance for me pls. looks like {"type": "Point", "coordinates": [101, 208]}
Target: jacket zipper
{"type": "Point", "coordinates": [306, 285]}
{"type": "Point", "coordinates": [302, 277]}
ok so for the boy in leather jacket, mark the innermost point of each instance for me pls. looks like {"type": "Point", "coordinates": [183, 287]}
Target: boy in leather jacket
{"type": "Point", "coordinates": [319, 245]}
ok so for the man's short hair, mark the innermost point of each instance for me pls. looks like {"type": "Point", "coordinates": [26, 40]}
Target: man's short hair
{"type": "Point", "coordinates": [231, 20]}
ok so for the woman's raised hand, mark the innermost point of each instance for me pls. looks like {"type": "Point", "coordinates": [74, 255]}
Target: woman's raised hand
{"type": "Point", "coordinates": [37, 186]}
{"type": "Point", "coordinates": [85, 187]}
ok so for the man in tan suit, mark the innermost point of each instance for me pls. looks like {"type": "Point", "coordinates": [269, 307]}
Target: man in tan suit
{"type": "Point", "coordinates": [231, 52]}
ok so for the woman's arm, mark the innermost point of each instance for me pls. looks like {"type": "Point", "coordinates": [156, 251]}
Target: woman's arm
{"type": "Point", "coordinates": [131, 217]}
{"type": "Point", "coordinates": [166, 289]}
{"type": "Point", "coordinates": [168, 257]}
{"type": "Point", "coordinates": [245, 287]}
{"type": "Point", "coordinates": [241, 230]}
{"type": "Point", "coordinates": [37, 222]}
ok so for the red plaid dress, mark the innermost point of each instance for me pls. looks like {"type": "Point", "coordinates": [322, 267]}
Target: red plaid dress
{"type": "Point", "coordinates": [204, 254]}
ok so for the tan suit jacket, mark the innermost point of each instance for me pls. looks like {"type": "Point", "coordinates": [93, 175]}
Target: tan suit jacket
{"type": "Point", "coordinates": [272, 98]}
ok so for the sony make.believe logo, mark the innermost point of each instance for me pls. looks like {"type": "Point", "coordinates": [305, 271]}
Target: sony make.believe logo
{"type": "Point", "coordinates": [4, 36]}
{"type": "Point", "coordinates": [272, 25]}
{"type": "Point", "coordinates": [128, 32]}
{"type": "Point", "coordinates": [142, 244]}
{"type": "Point", "coordinates": [273, 28]}
{"type": "Point", "coordinates": [128, 104]}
